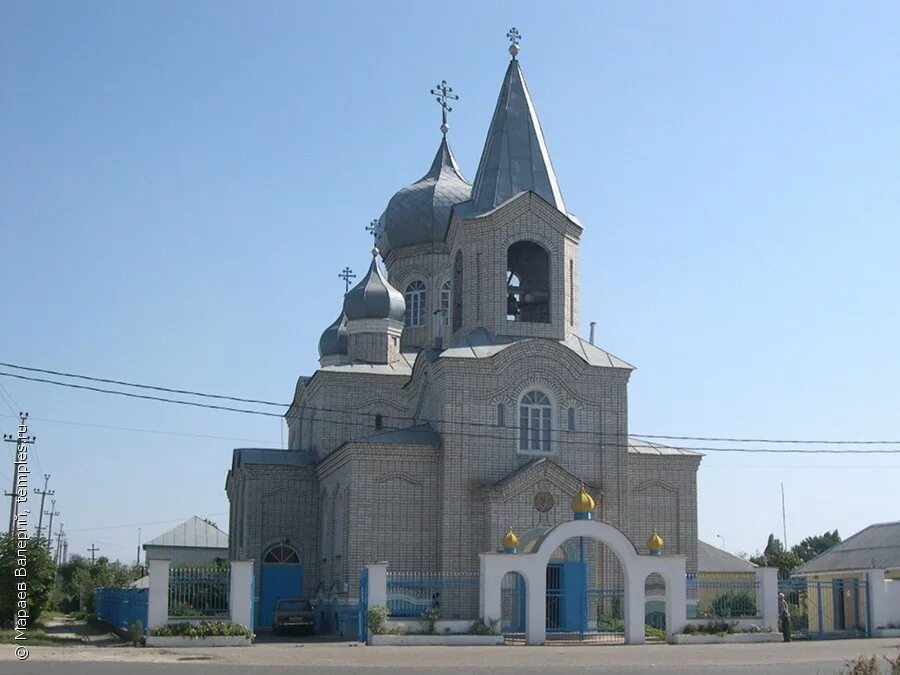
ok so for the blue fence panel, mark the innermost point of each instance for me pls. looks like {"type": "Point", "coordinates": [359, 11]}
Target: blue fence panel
{"type": "Point", "coordinates": [120, 607]}
{"type": "Point", "coordinates": [454, 595]}
{"type": "Point", "coordinates": [363, 604]}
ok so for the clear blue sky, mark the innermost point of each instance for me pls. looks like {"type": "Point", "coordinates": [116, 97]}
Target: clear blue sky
{"type": "Point", "coordinates": [180, 184]}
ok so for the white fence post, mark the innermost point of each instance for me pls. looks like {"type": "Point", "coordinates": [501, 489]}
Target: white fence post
{"type": "Point", "coordinates": [377, 573]}
{"type": "Point", "coordinates": [240, 599]}
{"type": "Point", "coordinates": [158, 593]}
{"type": "Point", "coordinates": [767, 595]}
{"type": "Point", "coordinates": [877, 599]}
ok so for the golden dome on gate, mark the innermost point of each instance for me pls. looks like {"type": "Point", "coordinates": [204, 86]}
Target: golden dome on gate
{"type": "Point", "coordinates": [583, 502]}
{"type": "Point", "coordinates": [655, 542]}
{"type": "Point", "coordinates": [510, 540]}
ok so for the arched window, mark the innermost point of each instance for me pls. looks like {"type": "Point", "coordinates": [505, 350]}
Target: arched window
{"type": "Point", "coordinates": [379, 421]}
{"type": "Point", "coordinates": [571, 419]}
{"type": "Point", "coordinates": [456, 315]}
{"type": "Point", "coordinates": [415, 304]}
{"type": "Point", "coordinates": [501, 415]}
{"type": "Point", "coordinates": [445, 304]}
{"type": "Point", "coordinates": [281, 553]}
{"type": "Point", "coordinates": [527, 283]}
{"type": "Point", "coordinates": [534, 422]}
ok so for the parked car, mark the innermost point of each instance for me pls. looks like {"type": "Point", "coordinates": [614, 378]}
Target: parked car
{"type": "Point", "coordinates": [293, 614]}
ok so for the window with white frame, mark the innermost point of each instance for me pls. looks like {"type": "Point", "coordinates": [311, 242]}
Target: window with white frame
{"type": "Point", "coordinates": [445, 304]}
{"type": "Point", "coordinates": [415, 304]}
{"type": "Point", "coordinates": [535, 412]}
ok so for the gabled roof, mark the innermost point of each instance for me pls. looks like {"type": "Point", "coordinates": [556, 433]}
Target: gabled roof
{"type": "Point", "coordinates": [876, 547]}
{"type": "Point", "coordinates": [194, 533]}
{"type": "Point", "coordinates": [271, 456]}
{"type": "Point", "coordinates": [515, 156]}
{"type": "Point", "coordinates": [713, 559]}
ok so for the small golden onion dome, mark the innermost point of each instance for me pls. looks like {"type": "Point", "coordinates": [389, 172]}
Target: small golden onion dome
{"type": "Point", "coordinates": [583, 502]}
{"type": "Point", "coordinates": [510, 540]}
{"type": "Point", "coordinates": [655, 542]}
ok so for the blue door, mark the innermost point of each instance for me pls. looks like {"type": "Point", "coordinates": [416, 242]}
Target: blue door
{"type": "Point", "coordinates": [573, 608]}
{"type": "Point", "coordinates": [278, 580]}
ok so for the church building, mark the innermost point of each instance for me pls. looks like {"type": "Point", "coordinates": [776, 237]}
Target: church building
{"type": "Point", "coordinates": [457, 396]}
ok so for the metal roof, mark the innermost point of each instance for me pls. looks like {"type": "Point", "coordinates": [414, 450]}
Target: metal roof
{"type": "Point", "coordinates": [194, 533]}
{"type": "Point", "coordinates": [481, 344]}
{"type": "Point", "coordinates": [334, 338]}
{"type": "Point", "coordinates": [639, 446]}
{"type": "Point", "coordinates": [713, 559]}
{"type": "Point", "coordinates": [515, 156]}
{"type": "Point", "coordinates": [374, 297]}
{"type": "Point", "coordinates": [420, 213]}
{"type": "Point", "coordinates": [271, 456]}
{"type": "Point", "coordinates": [419, 434]}
{"type": "Point", "coordinates": [876, 547]}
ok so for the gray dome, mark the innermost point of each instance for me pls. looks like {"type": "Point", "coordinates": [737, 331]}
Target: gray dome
{"type": "Point", "coordinates": [420, 213]}
{"type": "Point", "coordinates": [334, 339]}
{"type": "Point", "coordinates": [374, 297]}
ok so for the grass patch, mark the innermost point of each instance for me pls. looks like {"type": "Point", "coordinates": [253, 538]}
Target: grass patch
{"type": "Point", "coordinates": [36, 636]}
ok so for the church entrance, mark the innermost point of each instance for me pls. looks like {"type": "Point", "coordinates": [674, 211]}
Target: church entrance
{"type": "Point", "coordinates": [281, 578]}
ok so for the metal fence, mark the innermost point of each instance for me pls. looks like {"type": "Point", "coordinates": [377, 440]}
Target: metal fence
{"type": "Point", "coordinates": [454, 595]}
{"type": "Point", "coordinates": [120, 607]}
{"type": "Point", "coordinates": [199, 591]}
{"type": "Point", "coordinates": [725, 597]}
{"type": "Point", "coordinates": [835, 608]}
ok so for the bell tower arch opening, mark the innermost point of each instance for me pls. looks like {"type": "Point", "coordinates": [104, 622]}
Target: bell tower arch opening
{"type": "Point", "coordinates": [527, 283]}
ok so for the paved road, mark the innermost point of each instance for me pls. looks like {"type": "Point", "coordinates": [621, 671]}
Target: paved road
{"type": "Point", "coordinates": [330, 658]}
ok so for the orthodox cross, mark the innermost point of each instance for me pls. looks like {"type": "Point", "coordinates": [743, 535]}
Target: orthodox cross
{"type": "Point", "coordinates": [374, 228]}
{"type": "Point", "coordinates": [94, 551]}
{"type": "Point", "coordinates": [443, 93]}
{"type": "Point", "coordinates": [346, 274]}
{"type": "Point", "coordinates": [514, 37]}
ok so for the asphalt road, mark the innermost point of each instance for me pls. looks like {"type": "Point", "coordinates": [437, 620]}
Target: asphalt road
{"type": "Point", "coordinates": [817, 658]}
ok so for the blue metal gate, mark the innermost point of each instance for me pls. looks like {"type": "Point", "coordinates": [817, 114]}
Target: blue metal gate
{"type": "Point", "coordinates": [277, 581]}
{"type": "Point", "coordinates": [363, 604]}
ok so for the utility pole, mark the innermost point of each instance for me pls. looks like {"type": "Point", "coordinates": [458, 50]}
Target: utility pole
{"type": "Point", "coordinates": [22, 440]}
{"type": "Point", "coordinates": [138, 563]}
{"type": "Point", "coordinates": [65, 555]}
{"type": "Point", "coordinates": [52, 512]}
{"type": "Point", "coordinates": [783, 518]}
{"type": "Point", "coordinates": [59, 536]}
{"type": "Point", "coordinates": [93, 549]}
{"type": "Point", "coordinates": [43, 493]}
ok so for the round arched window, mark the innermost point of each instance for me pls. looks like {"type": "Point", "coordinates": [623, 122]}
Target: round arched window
{"type": "Point", "coordinates": [534, 422]}
{"type": "Point", "coordinates": [281, 553]}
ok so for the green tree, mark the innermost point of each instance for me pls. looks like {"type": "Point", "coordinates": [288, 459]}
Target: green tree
{"type": "Point", "coordinates": [79, 578]}
{"type": "Point", "coordinates": [812, 546]}
{"type": "Point", "coordinates": [38, 578]}
{"type": "Point", "coordinates": [775, 555]}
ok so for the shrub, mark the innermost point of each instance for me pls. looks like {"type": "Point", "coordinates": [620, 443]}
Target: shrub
{"type": "Point", "coordinates": [376, 619]}
{"type": "Point", "coordinates": [202, 629]}
{"type": "Point", "coordinates": [40, 579]}
{"type": "Point", "coordinates": [894, 664]}
{"type": "Point", "coordinates": [608, 624]}
{"type": "Point", "coordinates": [862, 666]}
{"type": "Point", "coordinates": [399, 629]}
{"type": "Point", "coordinates": [430, 617]}
{"type": "Point", "coordinates": [479, 627]}
{"type": "Point", "coordinates": [136, 631]}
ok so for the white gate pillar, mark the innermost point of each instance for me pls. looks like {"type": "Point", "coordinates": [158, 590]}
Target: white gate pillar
{"type": "Point", "coordinates": [240, 599]}
{"type": "Point", "coordinates": [158, 593]}
{"type": "Point", "coordinates": [536, 606]}
{"type": "Point", "coordinates": [489, 589]}
{"type": "Point", "coordinates": [878, 608]}
{"type": "Point", "coordinates": [676, 604]}
{"type": "Point", "coordinates": [767, 595]}
{"type": "Point", "coordinates": [635, 613]}
{"type": "Point", "coordinates": [377, 579]}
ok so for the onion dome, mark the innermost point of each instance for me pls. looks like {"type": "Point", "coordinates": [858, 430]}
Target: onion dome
{"type": "Point", "coordinates": [583, 502]}
{"type": "Point", "coordinates": [510, 540]}
{"type": "Point", "coordinates": [420, 213]}
{"type": "Point", "coordinates": [655, 543]}
{"type": "Point", "coordinates": [334, 340]}
{"type": "Point", "coordinates": [374, 297]}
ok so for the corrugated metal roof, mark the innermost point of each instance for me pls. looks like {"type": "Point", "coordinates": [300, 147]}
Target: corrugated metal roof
{"type": "Point", "coordinates": [194, 532]}
{"type": "Point", "coordinates": [713, 559]}
{"type": "Point", "coordinates": [639, 446]}
{"type": "Point", "coordinates": [876, 547]}
{"type": "Point", "coordinates": [271, 456]}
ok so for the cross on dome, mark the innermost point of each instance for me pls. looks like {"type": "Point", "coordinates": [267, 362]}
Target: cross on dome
{"type": "Point", "coordinates": [443, 93]}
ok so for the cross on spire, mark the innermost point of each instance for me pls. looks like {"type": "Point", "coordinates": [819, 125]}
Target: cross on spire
{"type": "Point", "coordinates": [443, 93]}
{"type": "Point", "coordinates": [514, 37]}
{"type": "Point", "coordinates": [374, 228]}
{"type": "Point", "coordinates": [346, 274]}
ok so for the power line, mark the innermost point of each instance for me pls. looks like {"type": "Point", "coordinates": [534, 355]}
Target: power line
{"type": "Point", "coordinates": [594, 435]}
{"type": "Point", "coordinates": [152, 522]}
{"type": "Point", "coordinates": [144, 386]}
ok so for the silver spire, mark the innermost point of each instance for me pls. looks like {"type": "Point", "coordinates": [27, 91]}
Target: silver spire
{"type": "Point", "coordinates": [443, 93]}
